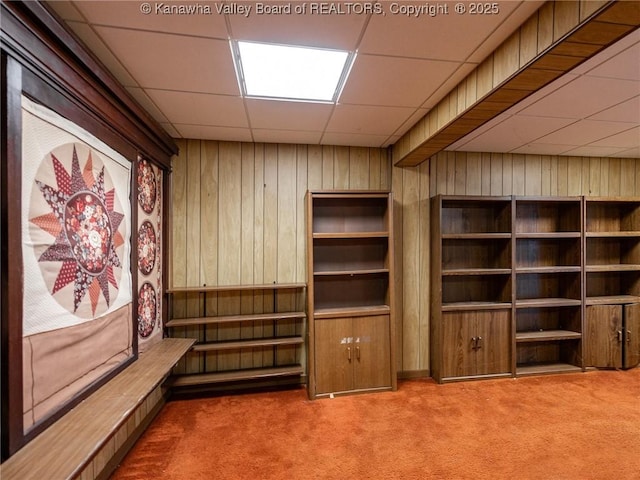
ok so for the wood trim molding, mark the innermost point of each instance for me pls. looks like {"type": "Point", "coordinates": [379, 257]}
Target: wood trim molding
{"type": "Point", "coordinates": [558, 37]}
{"type": "Point", "coordinates": [12, 292]}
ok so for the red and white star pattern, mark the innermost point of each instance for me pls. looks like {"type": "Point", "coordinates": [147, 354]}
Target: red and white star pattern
{"type": "Point", "coordinates": [86, 228]}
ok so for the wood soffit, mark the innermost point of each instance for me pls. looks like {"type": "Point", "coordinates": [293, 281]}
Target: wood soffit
{"type": "Point", "coordinates": [589, 37]}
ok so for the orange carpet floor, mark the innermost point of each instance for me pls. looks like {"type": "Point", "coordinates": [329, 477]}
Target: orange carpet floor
{"type": "Point", "coordinates": [572, 426]}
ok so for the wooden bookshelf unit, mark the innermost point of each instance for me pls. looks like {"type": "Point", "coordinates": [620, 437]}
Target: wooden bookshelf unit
{"type": "Point", "coordinates": [551, 284]}
{"type": "Point", "coordinates": [350, 278]}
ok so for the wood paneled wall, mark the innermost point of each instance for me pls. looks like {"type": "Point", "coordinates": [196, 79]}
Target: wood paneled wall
{"type": "Point", "coordinates": [238, 212]}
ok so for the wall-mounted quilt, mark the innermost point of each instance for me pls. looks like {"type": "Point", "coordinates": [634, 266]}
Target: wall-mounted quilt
{"type": "Point", "coordinates": [149, 240]}
{"type": "Point", "coordinates": [76, 232]}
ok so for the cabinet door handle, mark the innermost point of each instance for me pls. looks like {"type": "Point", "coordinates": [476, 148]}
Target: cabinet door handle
{"type": "Point", "coordinates": [357, 352]}
{"type": "Point", "coordinates": [349, 353]}
{"type": "Point", "coordinates": [620, 336]}
{"type": "Point", "coordinates": [474, 341]}
{"type": "Point", "coordinates": [479, 343]}
{"type": "Point", "coordinates": [628, 336]}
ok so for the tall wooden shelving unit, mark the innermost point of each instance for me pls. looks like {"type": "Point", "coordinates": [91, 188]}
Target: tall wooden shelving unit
{"type": "Point", "coordinates": [612, 277]}
{"type": "Point", "coordinates": [350, 292]}
{"type": "Point", "coordinates": [550, 283]}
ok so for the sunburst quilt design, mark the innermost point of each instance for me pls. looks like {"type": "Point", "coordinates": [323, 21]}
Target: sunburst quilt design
{"type": "Point", "coordinates": [87, 231]}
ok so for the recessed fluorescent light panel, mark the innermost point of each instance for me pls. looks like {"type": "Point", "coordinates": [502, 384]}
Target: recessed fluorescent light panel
{"type": "Point", "coordinates": [289, 72]}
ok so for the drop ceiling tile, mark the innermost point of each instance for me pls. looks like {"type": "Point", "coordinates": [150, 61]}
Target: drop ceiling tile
{"type": "Point", "coordinates": [205, 132]}
{"type": "Point", "coordinates": [368, 120]}
{"type": "Point", "coordinates": [170, 129]}
{"type": "Point", "coordinates": [627, 139]}
{"type": "Point", "coordinates": [584, 97]}
{"type": "Point", "coordinates": [327, 31]}
{"type": "Point", "coordinates": [200, 109]}
{"type": "Point", "coordinates": [97, 46]}
{"type": "Point", "coordinates": [628, 111]}
{"type": "Point", "coordinates": [129, 14]}
{"type": "Point", "coordinates": [631, 153]}
{"type": "Point", "coordinates": [608, 53]}
{"type": "Point", "coordinates": [479, 132]}
{"type": "Point", "coordinates": [542, 93]}
{"type": "Point", "coordinates": [174, 62]}
{"type": "Point", "coordinates": [544, 149]}
{"type": "Point", "coordinates": [433, 35]}
{"type": "Point", "coordinates": [583, 132]}
{"type": "Point", "coordinates": [513, 133]}
{"type": "Point", "coordinates": [623, 66]}
{"type": "Point", "coordinates": [391, 81]}
{"type": "Point", "coordinates": [143, 99]}
{"type": "Point", "coordinates": [354, 139]}
{"type": "Point", "coordinates": [286, 136]}
{"type": "Point", "coordinates": [284, 115]}
{"type": "Point", "coordinates": [594, 151]}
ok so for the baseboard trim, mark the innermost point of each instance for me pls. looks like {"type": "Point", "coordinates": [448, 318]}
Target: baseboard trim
{"type": "Point", "coordinates": [412, 374]}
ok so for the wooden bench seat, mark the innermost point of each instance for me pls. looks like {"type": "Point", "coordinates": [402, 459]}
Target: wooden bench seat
{"type": "Point", "coordinates": [67, 449]}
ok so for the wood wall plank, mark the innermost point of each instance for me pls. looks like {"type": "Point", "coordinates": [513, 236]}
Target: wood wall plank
{"type": "Point", "coordinates": [424, 246]}
{"type": "Point", "coordinates": [286, 212]}
{"type": "Point", "coordinates": [398, 240]}
{"type": "Point", "coordinates": [341, 168]}
{"type": "Point", "coordinates": [209, 213]}
{"type": "Point", "coordinates": [179, 217]}
{"type": "Point", "coordinates": [410, 264]}
{"type": "Point", "coordinates": [270, 213]}
{"type": "Point", "coordinates": [229, 213]}
{"type": "Point", "coordinates": [193, 200]}
{"type": "Point", "coordinates": [474, 179]}
{"type": "Point", "coordinates": [495, 174]}
{"type": "Point", "coordinates": [566, 16]}
{"type": "Point", "coordinates": [359, 170]}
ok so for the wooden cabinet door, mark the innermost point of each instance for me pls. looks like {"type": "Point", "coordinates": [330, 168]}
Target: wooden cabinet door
{"type": "Point", "coordinates": [334, 354]}
{"type": "Point", "coordinates": [492, 352]}
{"type": "Point", "coordinates": [603, 336]}
{"type": "Point", "coordinates": [632, 335]}
{"type": "Point", "coordinates": [458, 330]}
{"type": "Point", "coordinates": [372, 363]}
